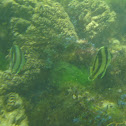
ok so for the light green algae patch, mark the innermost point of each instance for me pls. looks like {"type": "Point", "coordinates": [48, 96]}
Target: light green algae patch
{"type": "Point", "coordinates": [68, 73]}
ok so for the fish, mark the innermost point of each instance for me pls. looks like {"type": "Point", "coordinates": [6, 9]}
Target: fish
{"type": "Point", "coordinates": [100, 64]}
{"type": "Point", "coordinates": [17, 59]}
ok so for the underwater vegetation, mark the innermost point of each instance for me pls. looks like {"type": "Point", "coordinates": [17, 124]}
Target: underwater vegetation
{"type": "Point", "coordinates": [54, 111]}
{"type": "Point", "coordinates": [75, 106]}
{"type": "Point", "coordinates": [42, 44]}
{"type": "Point", "coordinates": [92, 19]}
{"type": "Point", "coordinates": [68, 73]}
{"type": "Point", "coordinates": [58, 41]}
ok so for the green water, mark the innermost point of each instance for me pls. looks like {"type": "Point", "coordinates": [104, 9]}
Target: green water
{"type": "Point", "coordinates": [59, 40]}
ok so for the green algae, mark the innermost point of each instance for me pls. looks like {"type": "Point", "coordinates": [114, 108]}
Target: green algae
{"type": "Point", "coordinates": [59, 107]}
{"type": "Point", "coordinates": [45, 30]}
{"type": "Point", "coordinates": [64, 110]}
{"type": "Point", "coordinates": [68, 73]}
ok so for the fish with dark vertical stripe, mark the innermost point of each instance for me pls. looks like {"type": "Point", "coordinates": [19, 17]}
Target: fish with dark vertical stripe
{"type": "Point", "coordinates": [17, 59]}
{"type": "Point", "coordinates": [100, 64]}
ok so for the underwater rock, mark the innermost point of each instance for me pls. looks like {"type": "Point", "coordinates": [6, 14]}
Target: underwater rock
{"type": "Point", "coordinates": [109, 106]}
{"type": "Point", "coordinates": [81, 54]}
{"type": "Point", "coordinates": [12, 101]}
{"type": "Point", "coordinates": [115, 45]}
{"type": "Point", "coordinates": [92, 19]}
{"type": "Point", "coordinates": [117, 72]}
{"type": "Point", "coordinates": [12, 111]}
{"type": "Point", "coordinates": [119, 7]}
{"type": "Point", "coordinates": [42, 30]}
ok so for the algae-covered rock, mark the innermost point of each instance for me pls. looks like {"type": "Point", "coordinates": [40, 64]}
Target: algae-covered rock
{"type": "Point", "coordinates": [65, 74]}
{"type": "Point", "coordinates": [12, 112]}
{"type": "Point", "coordinates": [56, 109]}
{"type": "Point", "coordinates": [75, 106]}
{"type": "Point", "coordinates": [119, 7]}
{"type": "Point", "coordinates": [92, 19]}
{"type": "Point", "coordinates": [42, 30]}
{"type": "Point", "coordinates": [59, 108]}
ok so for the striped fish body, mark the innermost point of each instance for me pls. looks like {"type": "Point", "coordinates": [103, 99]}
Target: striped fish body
{"type": "Point", "coordinates": [100, 64]}
{"type": "Point", "coordinates": [17, 59]}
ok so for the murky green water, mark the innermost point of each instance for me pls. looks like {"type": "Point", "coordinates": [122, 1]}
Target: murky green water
{"type": "Point", "coordinates": [62, 63]}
